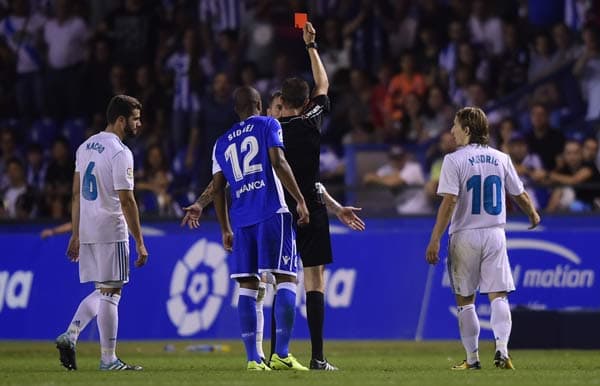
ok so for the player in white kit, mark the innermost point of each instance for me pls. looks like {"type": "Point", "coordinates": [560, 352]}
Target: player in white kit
{"type": "Point", "coordinates": [103, 210]}
{"type": "Point", "coordinates": [473, 183]}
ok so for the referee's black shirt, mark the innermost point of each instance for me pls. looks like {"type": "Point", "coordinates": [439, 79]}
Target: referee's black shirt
{"type": "Point", "coordinates": [302, 141]}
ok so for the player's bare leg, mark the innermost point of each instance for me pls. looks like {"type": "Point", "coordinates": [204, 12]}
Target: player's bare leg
{"type": "Point", "coordinates": [468, 324]}
{"type": "Point", "coordinates": [314, 284]}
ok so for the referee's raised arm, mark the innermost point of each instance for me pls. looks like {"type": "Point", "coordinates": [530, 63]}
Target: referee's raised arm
{"type": "Point", "coordinates": [318, 70]}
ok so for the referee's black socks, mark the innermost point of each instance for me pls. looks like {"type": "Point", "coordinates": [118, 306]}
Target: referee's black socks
{"type": "Point", "coordinates": [315, 313]}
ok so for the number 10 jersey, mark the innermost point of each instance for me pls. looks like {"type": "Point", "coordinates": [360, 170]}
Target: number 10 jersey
{"type": "Point", "coordinates": [105, 166]}
{"type": "Point", "coordinates": [479, 175]}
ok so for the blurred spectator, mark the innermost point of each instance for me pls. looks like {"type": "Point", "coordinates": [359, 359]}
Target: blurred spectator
{"type": "Point", "coordinates": [486, 30]}
{"type": "Point", "coordinates": [448, 57]}
{"type": "Point", "coordinates": [216, 116]}
{"type": "Point", "coordinates": [566, 49]}
{"type": "Point", "coordinates": [407, 81]}
{"type": "Point", "coordinates": [66, 37]}
{"type": "Point", "coordinates": [8, 151]}
{"type": "Point", "coordinates": [590, 151]}
{"type": "Point", "coordinates": [478, 64]}
{"type": "Point", "coordinates": [412, 129]}
{"type": "Point", "coordinates": [132, 29]}
{"type": "Point", "coordinates": [438, 113]}
{"type": "Point", "coordinates": [405, 178]}
{"type": "Point", "coordinates": [154, 181]}
{"type": "Point", "coordinates": [513, 62]}
{"type": "Point", "coordinates": [16, 188]}
{"type": "Point", "coordinates": [402, 30]}
{"type": "Point", "coordinates": [353, 107]}
{"type": "Point", "coordinates": [153, 101]}
{"type": "Point", "coordinates": [369, 37]}
{"type": "Point", "coordinates": [459, 85]}
{"type": "Point", "coordinates": [587, 68]}
{"type": "Point", "coordinates": [22, 31]}
{"type": "Point", "coordinates": [581, 180]}
{"type": "Point", "coordinates": [380, 89]}
{"type": "Point", "coordinates": [507, 130]}
{"type": "Point", "coordinates": [36, 166]}
{"type": "Point", "coordinates": [543, 140]}
{"type": "Point", "coordinates": [226, 55]}
{"type": "Point", "coordinates": [445, 145]}
{"type": "Point", "coordinates": [216, 16]}
{"type": "Point", "coordinates": [258, 36]}
{"type": "Point", "coordinates": [428, 50]}
{"type": "Point", "coordinates": [187, 88]}
{"type": "Point", "coordinates": [335, 49]}
{"type": "Point", "coordinates": [97, 76]}
{"type": "Point", "coordinates": [59, 179]}
{"type": "Point", "coordinates": [541, 58]}
{"type": "Point", "coordinates": [528, 165]}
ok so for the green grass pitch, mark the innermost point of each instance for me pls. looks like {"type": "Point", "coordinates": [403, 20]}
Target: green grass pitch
{"type": "Point", "coordinates": [362, 363]}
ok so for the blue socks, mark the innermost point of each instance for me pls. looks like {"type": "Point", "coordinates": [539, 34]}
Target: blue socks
{"type": "Point", "coordinates": [285, 313]}
{"type": "Point", "coordinates": [247, 313]}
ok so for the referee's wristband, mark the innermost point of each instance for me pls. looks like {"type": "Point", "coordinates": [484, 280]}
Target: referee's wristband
{"type": "Point", "coordinates": [312, 45]}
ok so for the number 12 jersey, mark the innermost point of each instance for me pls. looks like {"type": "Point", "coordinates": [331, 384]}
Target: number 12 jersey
{"type": "Point", "coordinates": [242, 155]}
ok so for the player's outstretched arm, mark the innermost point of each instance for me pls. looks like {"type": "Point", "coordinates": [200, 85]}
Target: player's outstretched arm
{"type": "Point", "coordinates": [194, 211]}
{"type": "Point", "coordinates": [57, 230]}
{"type": "Point", "coordinates": [346, 214]}
{"type": "Point", "coordinates": [73, 248]}
{"type": "Point", "coordinates": [309, 34]}
{"type": "Point", "coordinates": [285, 174]}
{"type": "Point", "coordinates": [524, 202]}
{"type": "Point", "coordinates": [221, 209]}
{"type": "Point", "coordinates": [131, 213]}
{"type": "Point", "coordinates": [441, 223]}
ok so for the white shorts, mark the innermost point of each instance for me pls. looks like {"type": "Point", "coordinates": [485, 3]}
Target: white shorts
{"type": "Point", "coordinates": [477, 259]}
{"type": "Point", "coordinates": [106, 262]}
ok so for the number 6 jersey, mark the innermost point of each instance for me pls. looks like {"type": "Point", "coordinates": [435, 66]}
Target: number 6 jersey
{"type": "Point", "coordinates": [242, 155]}
{"type": "Point", "coordinates": [105, 166]}
{"type": "Point", "coordinates": [479, 175]}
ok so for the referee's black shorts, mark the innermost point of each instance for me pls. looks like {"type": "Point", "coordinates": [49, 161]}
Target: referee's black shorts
{"type": "Point", "coordinates": [314, 241]}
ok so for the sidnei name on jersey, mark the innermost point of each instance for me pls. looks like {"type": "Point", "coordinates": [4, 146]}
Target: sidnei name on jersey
{"type": "Point", "coordinates": [238, 132]}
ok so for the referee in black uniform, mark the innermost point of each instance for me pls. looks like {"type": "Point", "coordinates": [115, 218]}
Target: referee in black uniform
{"type": "Point", "coordinates": [301, 120]}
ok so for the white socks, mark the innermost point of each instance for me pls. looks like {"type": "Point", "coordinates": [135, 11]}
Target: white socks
{"type": "Point", "coordinates": [108, 323]}
{"type": "Point", "coordinates": [87, 310]}
{"type": "Point", "coordinates": [260, 318]}
{"type": "Point", "coordinates": [501, 324]}
{"type": "Point", "coordinates": [468, 324]}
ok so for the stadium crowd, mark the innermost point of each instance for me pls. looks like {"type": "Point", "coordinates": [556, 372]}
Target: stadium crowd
{"type": "Point", "coordinates": [399, 69]}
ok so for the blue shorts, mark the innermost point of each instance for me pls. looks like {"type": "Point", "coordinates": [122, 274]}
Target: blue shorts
{"type": "Point", "coordinates": [269, 246]}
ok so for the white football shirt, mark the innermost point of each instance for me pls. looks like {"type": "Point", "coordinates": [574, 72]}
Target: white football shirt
{"type": "Point", "coordinates": [479, 176]}
{"type": "Point", "coordinates": [105, 166]}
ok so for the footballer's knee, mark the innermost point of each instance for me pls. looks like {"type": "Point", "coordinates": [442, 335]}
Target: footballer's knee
{"type": "Point", "coordinates": [248, 282]}
{"type": "Point", "coordinates": [314, 279]}
{"type": "Point", "coordinates": [110, 291]}
{"type": "Point", "coordinates": [282, 278]}
{"type": "Point", "coordinates": [495, 295]}
{"type": "Point", "coordinates": [462, 301]}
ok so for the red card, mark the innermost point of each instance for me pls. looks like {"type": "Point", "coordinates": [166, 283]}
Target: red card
{"type": "Point", "coordinates": [300, 20]}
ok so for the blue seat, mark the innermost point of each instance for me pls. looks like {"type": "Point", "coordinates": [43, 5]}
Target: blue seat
{"type": "Point", "coordinates": [42, 131]}
{"type": "Point", "coordinates": [74, 131]}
